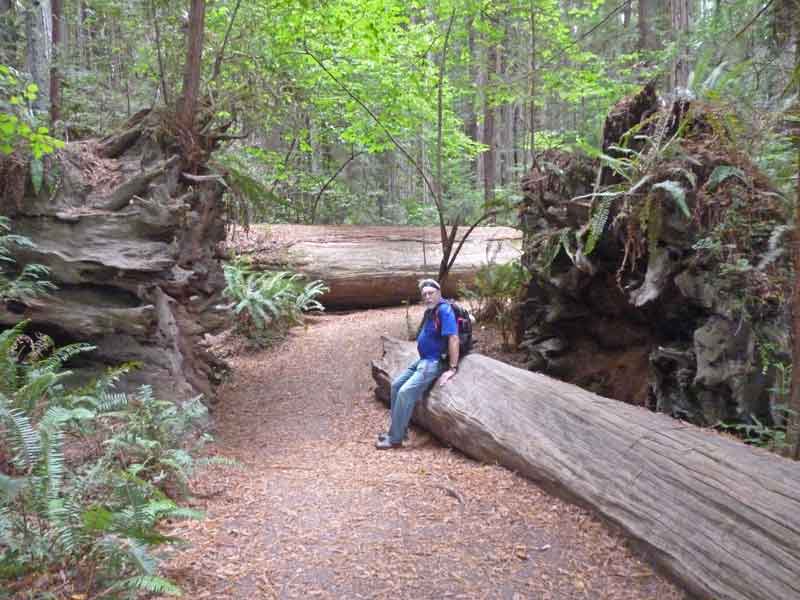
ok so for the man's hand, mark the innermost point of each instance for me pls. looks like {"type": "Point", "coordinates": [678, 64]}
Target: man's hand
{"type": "Point", "coordinates": [445, 377]}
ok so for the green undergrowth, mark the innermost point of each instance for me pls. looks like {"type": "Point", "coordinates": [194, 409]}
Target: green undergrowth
{"type": "Point", "coordinates": [268, 303]}
{"type": "Point", "coordinates": [87, 475]}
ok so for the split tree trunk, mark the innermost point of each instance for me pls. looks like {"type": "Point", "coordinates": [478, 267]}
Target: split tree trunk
{"type": "Point", "coordinates": [721, 517]}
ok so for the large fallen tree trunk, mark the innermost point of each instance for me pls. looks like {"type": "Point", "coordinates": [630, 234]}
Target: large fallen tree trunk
{"type": "Point", "coordinates": [372, 266]}
{"type": "Point", "coordinates": [721, 517]}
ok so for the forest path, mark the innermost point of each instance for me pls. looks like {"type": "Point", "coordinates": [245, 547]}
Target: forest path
{"type": "Point", "coordinates": [316, 512]}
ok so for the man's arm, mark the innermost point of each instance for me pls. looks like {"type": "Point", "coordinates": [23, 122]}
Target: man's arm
{"type": "Point", "coordinates": [452, 356]}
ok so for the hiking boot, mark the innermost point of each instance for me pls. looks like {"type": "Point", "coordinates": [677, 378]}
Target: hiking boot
{"type": "Point", "coordinates": [385, 436]}
{"type": "Point", "coordinates": [387, 444]}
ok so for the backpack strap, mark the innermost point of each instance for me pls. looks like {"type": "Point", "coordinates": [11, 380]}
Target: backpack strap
{"type": "Point", "coordinates": [437, 322]}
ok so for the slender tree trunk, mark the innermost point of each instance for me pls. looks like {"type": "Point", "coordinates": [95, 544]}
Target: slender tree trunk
{"type": "Point", "coordinates": [679, 10]}
{"type": "Point", "coordinates": [192, 69]}
{"type": "Point", "coordinates": [645, 26]}
{"type": "Point", "coordinates": [38, 27]}
{"type": "Point", "coordinates": [55, 76]}
{"type": "Point", "coordinates": [489, 155]}
{"type": "Point", "coordinates": [471, 120]}
{"type": "Point", "coordinates": [532, 87]}
{"type": "Point", "coordinates": [794, 401]}
{"type": "Point", "coordinates": [161, 72]}
{"type": "Point", "coordinates": [8, 34]}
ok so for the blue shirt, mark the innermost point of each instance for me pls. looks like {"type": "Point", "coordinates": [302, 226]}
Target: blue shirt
{"type": "Point", "coordinates": [432, 344]}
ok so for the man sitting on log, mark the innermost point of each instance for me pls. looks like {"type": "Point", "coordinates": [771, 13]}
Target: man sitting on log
{"type": "Point", "coordinates": [437, 337]}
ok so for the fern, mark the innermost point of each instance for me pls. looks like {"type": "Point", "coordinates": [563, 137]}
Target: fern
{"type": "Point", "coordinates": [150, 583]}
{"type": "Point", "coordinates": [676, 192]}
{"type": "Point", "coordinates": [721, 173]}
{"type": "Point", "coordinates": [598, 224]}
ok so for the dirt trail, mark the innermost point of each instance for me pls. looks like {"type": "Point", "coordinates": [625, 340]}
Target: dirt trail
{"type": "Point", "coordinates": [316, 512]}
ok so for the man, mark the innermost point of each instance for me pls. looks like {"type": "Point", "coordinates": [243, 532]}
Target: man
{"type": "Point", "coordinates": [433, 342]}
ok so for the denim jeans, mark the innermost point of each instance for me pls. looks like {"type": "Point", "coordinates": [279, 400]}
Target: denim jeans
{"type": "Point", "coordinates": [407, 389]}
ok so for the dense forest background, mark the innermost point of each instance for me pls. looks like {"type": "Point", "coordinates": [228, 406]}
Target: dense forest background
{"type": "Point", "coordinates": [334, 106]}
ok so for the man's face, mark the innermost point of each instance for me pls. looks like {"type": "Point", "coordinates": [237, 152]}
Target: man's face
{"type": "Point", "coordinates": [430, 296]}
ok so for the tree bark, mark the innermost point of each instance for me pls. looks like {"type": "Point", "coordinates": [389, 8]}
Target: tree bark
{"type": "Point", "coordinates": [532, 88]}
{"type": "Point", "coordinates": [646, 25]}
{"type": "Point", "coordinates": [55, 75]}
{"type": "Point", "coordinates": [372, 266]}
{"type": "Point", "coordinates": [490, 154]}
{"type": "Point", "coordinates": [794, 401]}
{"type": "Point", "coordinates": [193, 66]}
{"type": "Point", "coordinates": [471, 120]}
{"type": "Point", "coordinates": [142, 281]}
{"type": "Point", "coordinates": [38, 27]}
{"type": "Point", "coordinates": [721, 517]}
{"type": "Point", "coordinates": [679, 10]}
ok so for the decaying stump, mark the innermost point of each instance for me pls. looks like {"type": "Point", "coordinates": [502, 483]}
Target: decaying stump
{"type": "Point", "coordinates": [372, 266]}
{"type": "Point", "coordinates": [721, 517]}
{"type": "Point", "coordinates": [131, 242]}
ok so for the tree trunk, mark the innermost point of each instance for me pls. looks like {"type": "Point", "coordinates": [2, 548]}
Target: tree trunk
{"type": "Point", "coordinates": [794, 402]}
{"type": "Point", "coordinates": [679, 10]}
{"type": "Point", "coordinates": [646, 41]}
{"type": "Point", "coordinates": [55, 76]}
{"type": "Point", "coordinates": [372, 266]}
{"type": "Point", "coordinates": [532, 88]}
{"type": "Point", "coordinates": [471, 120]}
{"type": "Point", "coordinates": [721, 517]}
{"type": "Point", "coordinates": [38, 29]}
{"type": "Point", "coordinates": [489, 138]}
{"type": "Point", "coordinates": [193, 67]}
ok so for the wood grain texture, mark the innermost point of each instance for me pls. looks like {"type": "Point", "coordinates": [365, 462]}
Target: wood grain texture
{"type": "Point", "coordinates": [374, 265]}
{"type": "Point", "coordinates": [721, 517]}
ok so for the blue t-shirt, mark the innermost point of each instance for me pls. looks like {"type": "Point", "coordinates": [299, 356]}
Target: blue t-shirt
{"type": "Point", "coordinates": [430, 343]}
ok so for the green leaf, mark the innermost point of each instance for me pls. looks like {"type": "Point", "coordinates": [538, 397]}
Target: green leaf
{"type": "Point", "coordinates": [723, 172]}
{"type": "Point", "coordinates": [10, 487]}
{"type": "Point", "coordinates": [676, 191]}
{"type": "Point", "coordinates": [37, 174]}
{"type": "Point", "coordinates": [97, 518]}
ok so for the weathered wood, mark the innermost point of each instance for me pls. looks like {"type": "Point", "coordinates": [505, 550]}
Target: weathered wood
{"type": "Point", "coordinates": [124, 193]}
{"type": "Point", "coordinates": [372, 266]}
{"type": "Point", "coordinates": [132, 249]}
{"type": "Point", "coordinates": [721, 517]}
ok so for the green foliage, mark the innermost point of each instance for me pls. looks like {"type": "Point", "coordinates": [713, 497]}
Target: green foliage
{"type": "Point", "coordinates": [495, 293]}
{"type": "Point", "coordinates": [94, 516]}
{"type": "Point", "coordinates": [19, 128]}
{"type": "Point", "coordinates": [757, 433]}
{"type": "Point", "coordinates": [268, 303]}
{"type": "Point", "coordinates": [30, 281]}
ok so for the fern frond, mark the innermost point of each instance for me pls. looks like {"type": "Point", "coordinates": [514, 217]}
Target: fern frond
{"type": "Point", "coordinates": [676, 192]}
{"type": "Point", "coordinates": [598, 224]}
{"type": "Point", "coordinates": [150, 583]}
{"type": "Point", "coordinates": [25, 441]}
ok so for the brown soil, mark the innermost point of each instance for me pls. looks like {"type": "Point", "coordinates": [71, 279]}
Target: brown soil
{"type": "Point", "coordinates": [315, 511]}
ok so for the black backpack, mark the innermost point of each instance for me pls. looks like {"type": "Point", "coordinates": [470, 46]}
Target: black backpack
{"type": "Point", "coordinates": [463, 323]}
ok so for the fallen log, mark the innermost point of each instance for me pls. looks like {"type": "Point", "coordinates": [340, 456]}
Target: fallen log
{"type": "Point", "coordinates": [721, 517]}
{"type": "Point", "coordinates": [372, 266]}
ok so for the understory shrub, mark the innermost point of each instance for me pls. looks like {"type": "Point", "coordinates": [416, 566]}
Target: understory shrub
{"type": "Point", "coordinates": [495, 295]}
{"type": "Point", "coordinates": [268, 303]}
{"type": "Point", "coordinates": [86, 475]}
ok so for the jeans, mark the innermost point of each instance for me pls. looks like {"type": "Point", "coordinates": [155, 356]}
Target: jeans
{"type": "Point", "coordinates": [407, 389]}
